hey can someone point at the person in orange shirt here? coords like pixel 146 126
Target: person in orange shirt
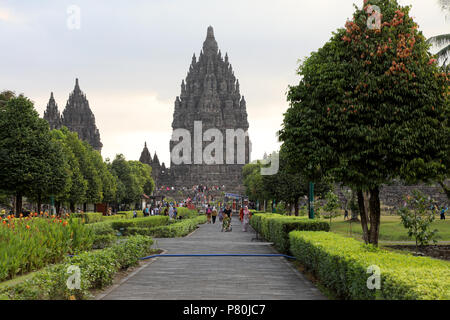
pixel 241 214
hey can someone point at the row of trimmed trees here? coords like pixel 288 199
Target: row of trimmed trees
pixel 285 185
pixel 40 163
pixel 372 105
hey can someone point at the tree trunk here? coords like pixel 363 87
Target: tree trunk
pixel 39 202
pixel 84 207
pixel 72 207
pixel 296 207
pixel 363 214
pixel 57 206
pixel 375 213
pixel 354 213
pixel 18 203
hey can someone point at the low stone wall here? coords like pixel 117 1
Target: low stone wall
pixel 392 196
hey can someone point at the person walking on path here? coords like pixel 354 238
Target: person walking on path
pixel 208 213
pixel 241 214
pixel 171 212
pixel 221 214
pixel 246 219
pixel 443 213
pixel 214 215
pixel 226 225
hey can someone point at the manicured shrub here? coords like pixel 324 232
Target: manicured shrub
pixel 88 217
pixel 103 234
pixel 178 229
pixel 147 222
pixel 130 214
pixel 114 217
pixel 186 213
pixel 341 264
pixel 126 214
pixel 276 228
pixel 97 271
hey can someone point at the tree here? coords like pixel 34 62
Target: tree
pixel 143 172
pixel 108 182
pixel 442 40
pixel 130 190
pixel 5 96
pixel 76 186
pixel 417 217
pixel 83 153
pixel 331 206
pixel 371 106
pixel 253 182
pixel 54 175
pixel 28 156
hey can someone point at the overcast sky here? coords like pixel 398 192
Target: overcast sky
pixel 130 57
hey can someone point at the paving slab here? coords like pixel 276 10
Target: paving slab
pixel 216 278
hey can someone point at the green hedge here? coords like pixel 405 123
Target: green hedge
pixel 97 271
pixel 173 230
pixel 276 228
pixel 114 217
pixel 129 214
pixel 341 264
pixel 186 212
pixel 103 233
pixel 179 229
pixel 147 222
pixel 88 217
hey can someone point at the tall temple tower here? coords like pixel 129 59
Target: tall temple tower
pixel 52 115
pixel 211 94
pixel 78 117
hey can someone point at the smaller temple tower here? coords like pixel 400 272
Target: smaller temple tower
pixel 52 115
pixel 78 117
pixel 146 157
pixel 160 174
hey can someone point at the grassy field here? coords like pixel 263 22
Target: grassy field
pixel 391 229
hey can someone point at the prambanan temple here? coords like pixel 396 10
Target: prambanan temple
pixel 210 94
pixel 77 117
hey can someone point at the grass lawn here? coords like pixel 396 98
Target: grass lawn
pixel 391 229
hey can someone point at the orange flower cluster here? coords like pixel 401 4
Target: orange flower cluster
pixel 398 67
pixel 398 18
pixel 405 49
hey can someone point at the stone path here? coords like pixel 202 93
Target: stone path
pixel 216 278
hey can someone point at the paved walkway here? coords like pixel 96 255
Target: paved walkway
pixel 216 278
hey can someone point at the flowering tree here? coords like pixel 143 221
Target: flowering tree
pixel 372 105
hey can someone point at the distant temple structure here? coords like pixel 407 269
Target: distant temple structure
pixel 210 95
pixel 77 117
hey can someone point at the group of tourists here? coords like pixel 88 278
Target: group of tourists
pixel 167 210
pixel 225 214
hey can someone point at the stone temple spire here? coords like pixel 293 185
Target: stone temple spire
pixel 78 117
pixel 210 46
pixel 145 155
pixel 210 94
pixel 52 115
